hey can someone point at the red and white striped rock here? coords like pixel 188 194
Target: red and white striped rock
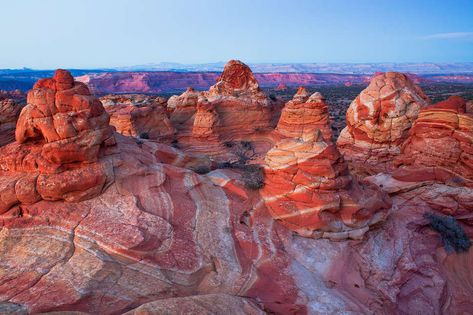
pixel 440 144
pixel 241 105
pixel 183 108
pixel 309 189
pixel 305 114
pixel 378 122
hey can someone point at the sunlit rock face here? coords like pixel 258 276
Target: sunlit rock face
pixel 56 156
pixel 378 122
pixel 440 144
pixel 241 105
pixel 308 186
pixel 305 114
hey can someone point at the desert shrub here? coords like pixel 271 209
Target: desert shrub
pixel 253 176
pixel 273 97
pixel 228 144
pixel 246 145
pixel 201 169
pixel 452 234
pixel 175 144
pixel 225 165
pixel 144 135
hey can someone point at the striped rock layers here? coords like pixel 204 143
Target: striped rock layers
pixel 440 144
pixel 378 122
pixel 309 189
pixel 304 114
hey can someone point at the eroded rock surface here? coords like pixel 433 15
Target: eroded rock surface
pixel 308 187
pixel 378 122
pixel 139 116
pixel 9 112
pixel 153 236
pixel 440 144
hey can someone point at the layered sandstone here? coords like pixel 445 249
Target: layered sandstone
pixel 183 108
pixel 9 112
pixel 59 134
pixel 241 105
pixel 161 238
pixel 139 115
pixel 308 187
pixel 378 122
pixel 305 114
pixel 440 144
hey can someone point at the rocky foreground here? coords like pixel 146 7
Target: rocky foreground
pixel 229 202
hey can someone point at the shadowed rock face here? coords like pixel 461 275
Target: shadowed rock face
pixel 9 112
pixel 378 122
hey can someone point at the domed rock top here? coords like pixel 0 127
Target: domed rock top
pixel 237 80
pixel 378 121
pixel 72 123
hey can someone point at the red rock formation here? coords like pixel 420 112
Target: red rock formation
pixel 59 134
pixel 9 112
pixel 157 237
pixel 205 121
pixel 183 108
pixel 138 115
pixel 241 106
pixel 308 187
pixel 378 121
pixel 305 115
pixel 440 144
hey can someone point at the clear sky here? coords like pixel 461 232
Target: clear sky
pixel 107 33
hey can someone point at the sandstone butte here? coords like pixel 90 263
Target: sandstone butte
pixel 308 187
pixel 232 109
pixel 100 223
pixel 378 122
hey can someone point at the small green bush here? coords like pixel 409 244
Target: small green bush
pixel 144 135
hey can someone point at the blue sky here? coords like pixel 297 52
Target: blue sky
pixel 107 33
